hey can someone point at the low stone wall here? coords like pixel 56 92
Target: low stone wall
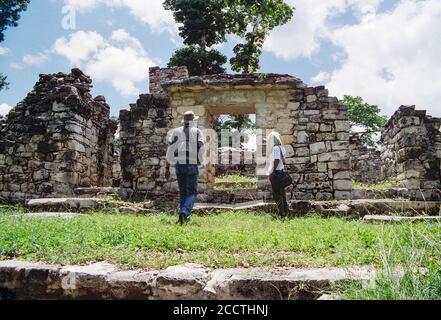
pixel 102 281
pixel 57 139
pixel 365 162
pixel 411 152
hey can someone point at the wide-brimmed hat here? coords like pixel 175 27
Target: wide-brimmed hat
pixel 189 116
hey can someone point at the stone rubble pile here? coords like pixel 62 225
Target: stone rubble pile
pixel 56 139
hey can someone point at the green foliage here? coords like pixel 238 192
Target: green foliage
pixel 3 83
pixel 235 182
pixel 10 14
pixel 198 61
pixel 382 185
pixel 203 24
pixel 259 16
pixel 366 116
pixel 229 239
pixel 233 122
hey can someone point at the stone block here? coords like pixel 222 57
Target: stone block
pixel 317 148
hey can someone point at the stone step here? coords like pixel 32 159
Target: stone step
pixel 398 219
pixel 252 205
pixel 57 204
pixel 102 281
pixel 96 192
pixel 361 208
pixel 84 204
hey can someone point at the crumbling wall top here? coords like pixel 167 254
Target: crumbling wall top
pixel 227 80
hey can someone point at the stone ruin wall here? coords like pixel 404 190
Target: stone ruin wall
pixel 365 162
pixel 314 127
pixel 143 137
pixel 411 152
pixel 55 140
pixel 246 167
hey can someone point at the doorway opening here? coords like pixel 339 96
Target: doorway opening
pixel 234 168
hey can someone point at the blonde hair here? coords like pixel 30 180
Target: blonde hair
pixel 274 139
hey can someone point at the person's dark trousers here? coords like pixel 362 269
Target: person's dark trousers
pixel 187 175
pixel 279 195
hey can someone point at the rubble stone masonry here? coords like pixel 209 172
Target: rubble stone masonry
pixel 314 126
pixel 411 152
pixel 365 162
pixel 55 140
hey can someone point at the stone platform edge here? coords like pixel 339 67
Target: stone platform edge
pixel 103 281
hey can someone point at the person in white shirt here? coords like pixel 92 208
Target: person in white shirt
pixel 184 152
pixel 276 168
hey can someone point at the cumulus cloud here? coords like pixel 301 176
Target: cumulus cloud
pixel 120 60
pixel 392 58
pixel 302 36
pixel 4 109
pixel 150 12
pixel 4 50
pixel 31 60
pixel 79 46
pixel 321 77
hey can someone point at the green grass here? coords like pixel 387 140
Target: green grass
pixel 383 185
pixel 419 276
pixel 229 239
pixel 236 178
pixel 235 182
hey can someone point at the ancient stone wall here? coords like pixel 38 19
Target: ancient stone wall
pixel 56 139
pixel 159 76
pixel 411 151
pixel 246 166
pixel 365 162
pixel 143 136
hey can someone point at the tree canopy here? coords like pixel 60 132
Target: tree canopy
pixel 366 116
pixel 205 23
pixel 10 14
pixel 198 61
pixel 252 20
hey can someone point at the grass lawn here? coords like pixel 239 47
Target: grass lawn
pixel 383 185
pixel 235 182
pixel 229 239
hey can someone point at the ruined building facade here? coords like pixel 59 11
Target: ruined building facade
pixel 59 138
pixel 314 126
pixel 55 140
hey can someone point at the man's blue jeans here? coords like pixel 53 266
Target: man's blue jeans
pixel 188 175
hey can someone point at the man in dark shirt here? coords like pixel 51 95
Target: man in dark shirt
pixel 185 145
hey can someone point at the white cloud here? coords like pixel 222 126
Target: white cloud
pixel 4 50
pixel 150 12
pixel 302 36
pixel 321 78
pixel 31 60
pixel 393 58
pixel 35 59
pixel 79 46
pixel 120 60
pixel 4 109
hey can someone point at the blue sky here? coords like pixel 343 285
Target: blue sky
pixel 387 51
